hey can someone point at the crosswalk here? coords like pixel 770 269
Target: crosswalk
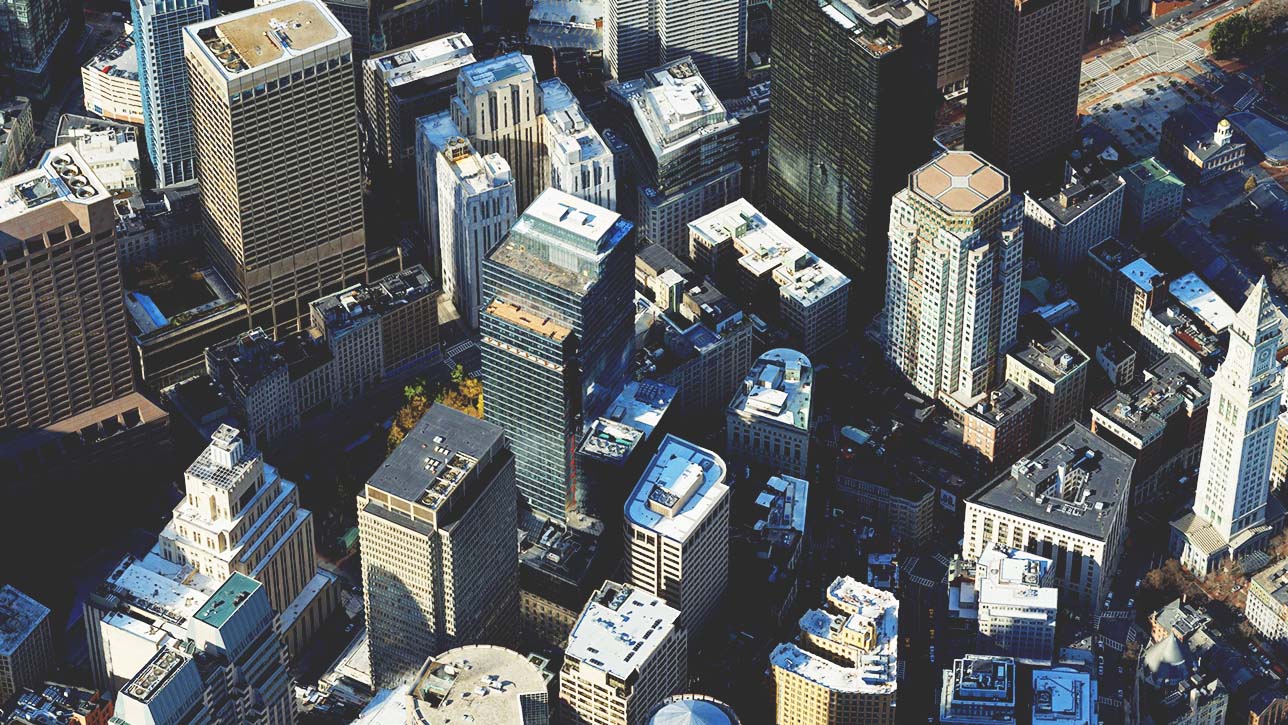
pixel 1249 98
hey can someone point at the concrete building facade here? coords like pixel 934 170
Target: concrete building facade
pixel 163 84
pixel 499 108
pixel 768 422
pixel 26 642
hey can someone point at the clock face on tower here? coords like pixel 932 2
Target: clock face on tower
pixel 1263 357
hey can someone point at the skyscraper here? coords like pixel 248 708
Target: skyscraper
pixel 557 335
pixel 1232 505
pixel 163 84
pixel 1026 59
pixel 580 162
pixel 853 112
pixel 639 34
pixel 275 119
pixel 31 31
pixel 439 563
pixel 953 277
pixel 498 107
pixel 956 19
pixel 677 530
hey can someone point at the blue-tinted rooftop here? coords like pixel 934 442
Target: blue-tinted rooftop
pixel 227 599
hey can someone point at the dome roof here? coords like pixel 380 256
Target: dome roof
pixel 691 712
pixel 1167 660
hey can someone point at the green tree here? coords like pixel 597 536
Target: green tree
pixel 1239 34
pixel 1250 184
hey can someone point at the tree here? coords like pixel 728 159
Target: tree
pixel 1238 34
pixel 463 393
pixel 1250 184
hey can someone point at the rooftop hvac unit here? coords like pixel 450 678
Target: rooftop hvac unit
pixel 69 170
pixel 85 192
pixel 62 160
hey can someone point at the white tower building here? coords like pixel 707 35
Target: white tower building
pixel 1231 513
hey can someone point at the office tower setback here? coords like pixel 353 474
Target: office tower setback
pixel 852 116
pixel 844 667
pixel 31 32
pixel 1233 511
pixel 1067 500
pixel 1026 60
pixel 230 668
pixel 275 119
pixel 498 108
pixel 768 420
pixel 163 84
pixel 953 277
pixel 686 151
pixel 626 653
pixel 677 530
pixel 640 34
pixel 482 684
pixel 26 642
pixel 556 336
pixel 402 85
pixel 782 280
pixel 580 162
pixel 436 525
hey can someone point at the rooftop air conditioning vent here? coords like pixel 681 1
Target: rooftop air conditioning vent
pixel 85 192
pixel 69 171
pixel 62 160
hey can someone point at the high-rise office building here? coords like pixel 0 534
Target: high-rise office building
pixel 1061 227
pixel 163 84
pixel 853 113
pixel 1233 511
pixel 402 85
pixel 230 668
pixel 26 642
pixel 498 108
pixel 845 664
pixel 557 336
pixel 769 419
pixel 436 525
pixel 640 34
pixel 1026 60
pixel 580 162
pixel 677 530
pixel 956 18
pixel 476 207
pixel 953 277
pixel 626 653
pixel 686 151
pixel 31 32
pixel 275 120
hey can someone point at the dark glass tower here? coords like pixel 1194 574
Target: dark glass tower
pixel 556 329
pixel 853 112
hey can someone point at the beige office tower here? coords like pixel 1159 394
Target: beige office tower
pixel 626 653
pixel 274 113
pixel 677 530
pixel 844 667
pixel 440 566
pixel 499 107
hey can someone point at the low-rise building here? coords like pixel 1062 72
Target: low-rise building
pixel 1087 209
pixel 26 642
pixel 111 149
pixel 777 276
pixel 1177 686
pixel 482 684
pixel 1066 501
pixel 1152 199
pixel 844 668
pixel 1117 360
pixel 580 162
pixel 1049 365
pixel 1179 619
pixel 615 448
pixel 58 704
pixel 1199 145
pixel 626 653
pixel 769 419
pixel 157 225
pixel 770 542
pixel 978 690
pixel 111 82
pixel 999 428
pixel 1008 597
pixel 1064 696
pixel 1267 604
pixel 1159 423
pixel 900 501
pixel 559 569
pixel 17 135
pixel 677 530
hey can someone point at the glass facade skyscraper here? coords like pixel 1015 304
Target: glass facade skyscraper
pixel 556 330
pixel 163 83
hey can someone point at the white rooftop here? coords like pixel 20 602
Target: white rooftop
pixel 570 214
pixel 62 175
pixel 1140 272
pixel 675 107
pixel 1013 578
pixel 767 249
pixel 1063 696
pixel 785 497
pixel 248 41
pixel 169 591
pixel 1191 291
pixel 571 132
pixel 778 387
pixel 432 58
pixel 118 59
pixel 877 669
pixel 679 489
pixel 19 617
pixel 475 683
pixel 619 629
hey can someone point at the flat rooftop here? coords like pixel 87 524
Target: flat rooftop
pixel 1046 350
pixel 118 59
pixel 1006 401
pixel 1014 578
pixel 484 73
pixel 1191 291
pixel 437 58
pixel 983 680
pixel 225 461
pixel 1063 696
pixel 960 182
pixel 242 42
pixel 679 489
pixel 675 107
pixel 62 176
pixel 859 17
pixel 227 599
pixel 1092 185
pixel 1075 481
pixel 620 629
pixel 1170 386
pixel 1150 170
pixel 778 387
pixel 1273 580
pixel 436 456
pixel 631 418
pixel 351 306
pixel 528 320
pixel 476 683
pixel 573 136
pixel 857 606
pixel 1141 273
pixel 157 675
pixel 19 617
pixel 561 240
pixel 169 591
pixel 768 250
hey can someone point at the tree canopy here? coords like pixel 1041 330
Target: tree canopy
pixel 464 393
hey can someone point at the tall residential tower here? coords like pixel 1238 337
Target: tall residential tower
pixel 163 84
